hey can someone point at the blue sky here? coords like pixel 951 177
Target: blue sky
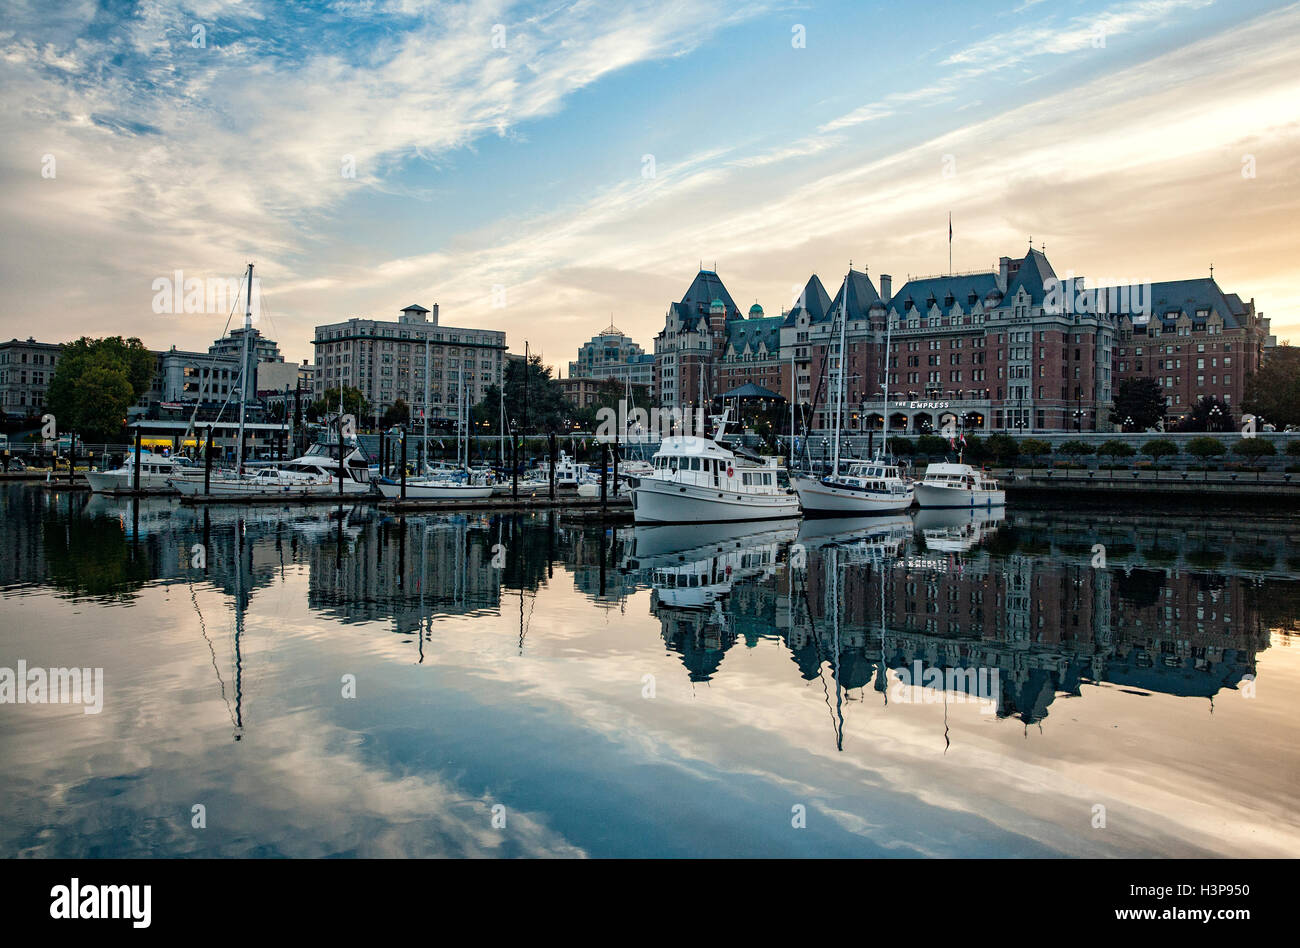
pixel 499 153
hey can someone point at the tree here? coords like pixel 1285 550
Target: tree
pixel 546 409
pixel 1205 448
pixel 398 413
pixel 1002 448
pixel 1210 413
pixel 1115 448
pixel 931 445
pixel 1139 404
pixel 1034 448
pixel 902 447
pixel 1075 449
pixel 1273 391
pixel 1158 448
pixel 1255 448
pixel 96 382
pixel 976 450
pixel 328 404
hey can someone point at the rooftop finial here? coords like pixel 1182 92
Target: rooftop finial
pixel 1211 271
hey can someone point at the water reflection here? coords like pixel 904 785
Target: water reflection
pixel 522 626
pixel 1174 609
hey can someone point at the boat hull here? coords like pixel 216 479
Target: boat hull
pixel 655 501
pixel 819 498
pixel 251 488
pixel 417 491
pixel 111 482
pixel 931 496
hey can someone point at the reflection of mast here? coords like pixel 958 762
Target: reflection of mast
pixel 835 640
pixel 239 628
pixel 817 646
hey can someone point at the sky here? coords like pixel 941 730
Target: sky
pixel 549 168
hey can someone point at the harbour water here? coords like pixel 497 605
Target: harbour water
pixel 288 681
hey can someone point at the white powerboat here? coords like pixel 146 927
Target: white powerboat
pixel 700 480
pixel 156 472
pixel 316 472
pixel 958 485
pixel 864 487
pixel 454 485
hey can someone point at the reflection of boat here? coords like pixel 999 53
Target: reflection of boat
pixel 699 480
pixel 957 530
pixel 692 567
pixel 156 471
pixel 651 545
pixel 958 485
pixel 878 536
pixel 316 472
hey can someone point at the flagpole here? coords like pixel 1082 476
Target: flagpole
pixel 950 243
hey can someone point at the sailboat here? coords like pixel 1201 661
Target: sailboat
pixel 444 485
pixel 861 487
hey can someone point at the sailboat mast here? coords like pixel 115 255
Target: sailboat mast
pixel 243 372
pixel 428 371
pixel 884 419
pixel 790 459
pixel 839 397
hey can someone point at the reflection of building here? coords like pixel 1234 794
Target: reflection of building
pixel 408 571
pixel 1047 624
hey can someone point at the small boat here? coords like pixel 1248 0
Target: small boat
pixel 156 473
pixel 315 472
pixel 568 472
pixel 700 480
pixel 437 487
pixel 958 485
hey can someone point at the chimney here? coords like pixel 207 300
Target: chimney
pixel 886 287
pixel 435 314
pixel 1004 272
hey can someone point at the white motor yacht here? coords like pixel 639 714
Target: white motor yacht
pixel 156 472
pixel 958 485
pixel 700 480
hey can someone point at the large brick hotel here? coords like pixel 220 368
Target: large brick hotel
pixel 1012 349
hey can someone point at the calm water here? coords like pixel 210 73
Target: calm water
pixel 660 692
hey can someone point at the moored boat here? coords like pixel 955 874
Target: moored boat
pixel 700 480
pixel 958 485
